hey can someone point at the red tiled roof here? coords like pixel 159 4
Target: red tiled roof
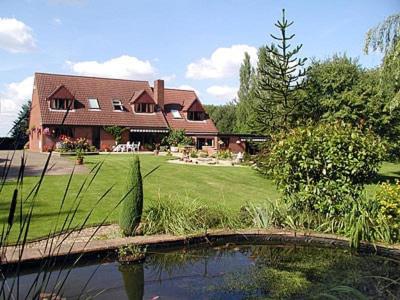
pixel 183 97
pixel 104 90
pixel 206 126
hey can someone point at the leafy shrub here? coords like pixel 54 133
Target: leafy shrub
pixel 224 154
pixel 388 198
pixel 68 144
pixel 177 137
pixel 116 132
pixel 193 154
pixel 132 206
pixel 322 168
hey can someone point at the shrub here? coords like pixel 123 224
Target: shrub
pixel 132 205
pixel 116 132
pixel 177 137
pixel 203 154
pixel 322 168
pixel 388 198
pixel 193 154
pixel 68 144
pixel 224 154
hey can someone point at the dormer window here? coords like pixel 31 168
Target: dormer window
pixel 117 105
pixel 61 104
pixel 93 103
pixel 144 107
pixel 196 115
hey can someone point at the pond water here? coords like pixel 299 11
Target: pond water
pixel 237 272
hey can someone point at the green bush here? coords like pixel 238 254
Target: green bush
pixel 132 206
pixel 224 154
pixel 388 198
pixel 177 137
pixel 322 168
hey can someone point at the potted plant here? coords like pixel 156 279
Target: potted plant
pixel 79 156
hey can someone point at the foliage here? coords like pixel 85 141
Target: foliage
pixel 194 154
pixel 67 143
pixel 385 36
pixel 224 154
pixel 388 198
pixel 322 168
pixel 182 216
pixel 115 131
pixel 131 211
pixel 79 153
pixel 279 79
pixel 19 131
pixel 223 116
pixel 339 89
pixel 177 137
pixel 132 251
pixel 244 113
pixel 328 88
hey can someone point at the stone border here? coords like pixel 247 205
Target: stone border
pixel 101 248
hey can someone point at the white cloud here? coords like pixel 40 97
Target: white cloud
pixel 15 36
pixel 223 92
pixel 125 66
pixel 57 21
pixel 224 62
pixel 169 78
pixel 12 97
pixel 188 87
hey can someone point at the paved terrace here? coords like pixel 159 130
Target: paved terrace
pixel 105 241
pixel 35 162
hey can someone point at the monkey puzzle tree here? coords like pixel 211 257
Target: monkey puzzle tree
pixel 278 80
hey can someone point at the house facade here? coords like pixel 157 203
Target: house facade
pixel 80 107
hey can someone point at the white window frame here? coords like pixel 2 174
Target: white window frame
pixel 117 103
pixel 176 114
pixel 91 106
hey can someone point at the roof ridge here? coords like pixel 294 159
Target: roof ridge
pixel 176 89
pixel 93 77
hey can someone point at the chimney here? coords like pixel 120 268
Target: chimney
pixel 159 92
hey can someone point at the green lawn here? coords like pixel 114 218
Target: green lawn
pixel 227 186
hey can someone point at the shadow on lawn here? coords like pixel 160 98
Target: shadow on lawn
pixel 380 178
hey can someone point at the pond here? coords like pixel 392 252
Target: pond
pixel 236 272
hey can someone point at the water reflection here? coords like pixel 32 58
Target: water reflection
pixel 133 277
pixel 234 272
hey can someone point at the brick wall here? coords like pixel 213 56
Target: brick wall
pixel 35 136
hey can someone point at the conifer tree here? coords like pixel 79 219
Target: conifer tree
pixel 279 77
pixel 132 206
pixel 245 105
pixel 20 125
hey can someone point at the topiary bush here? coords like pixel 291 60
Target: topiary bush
pixel 322 168
pixel 132 206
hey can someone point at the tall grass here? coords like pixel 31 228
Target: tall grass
pixel 180 216
pixel 359 224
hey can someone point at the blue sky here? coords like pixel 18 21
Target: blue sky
pixel 191 44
